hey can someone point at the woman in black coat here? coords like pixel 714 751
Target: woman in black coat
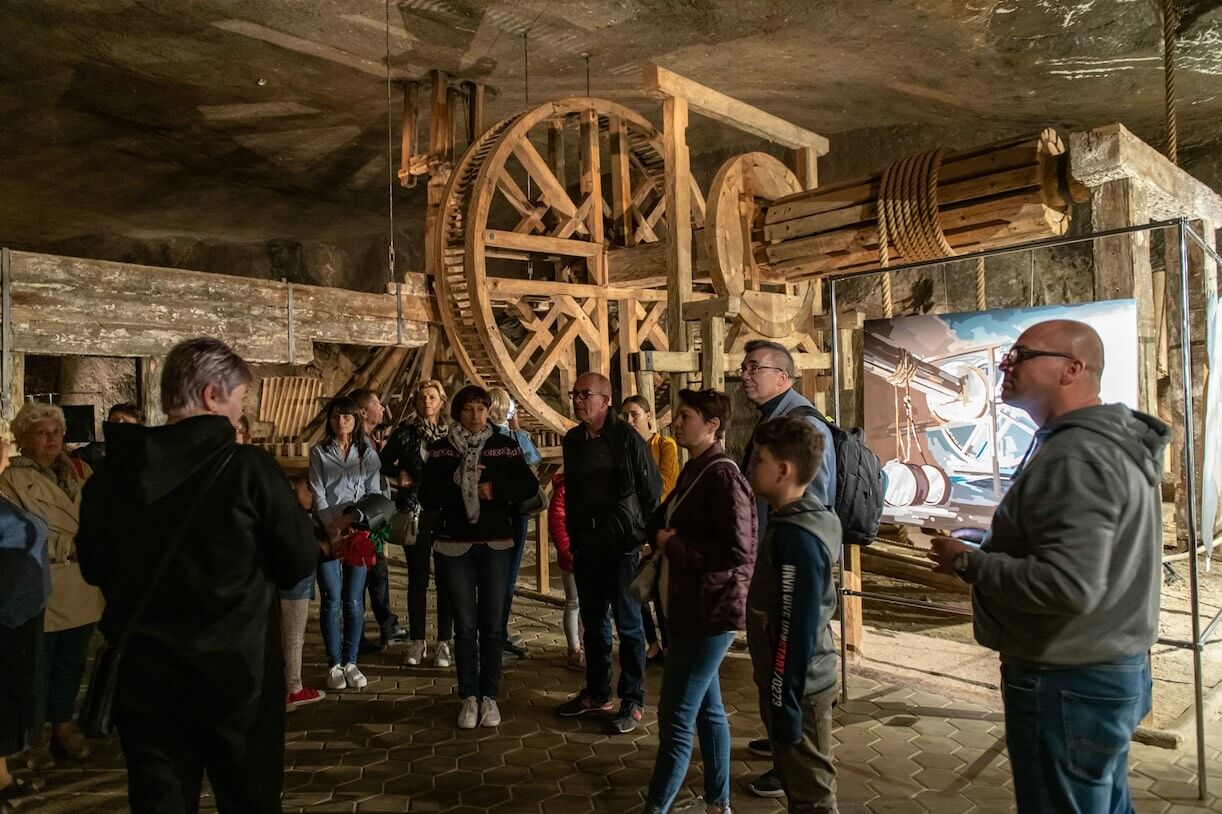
pixel 476 476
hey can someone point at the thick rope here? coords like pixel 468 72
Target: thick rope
pixel 980 304
pixel 908 215
pixel 1170 21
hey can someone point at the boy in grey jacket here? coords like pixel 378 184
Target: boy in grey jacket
pixel 789 610
pixel 1066 584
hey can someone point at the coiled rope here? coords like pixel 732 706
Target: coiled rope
pixel 908 217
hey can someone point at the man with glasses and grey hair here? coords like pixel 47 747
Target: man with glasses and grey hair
pixel 1066 583
pixel 611 488
pixel 768 374
pixel 201 687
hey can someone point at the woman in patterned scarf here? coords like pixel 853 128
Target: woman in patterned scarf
pixel 475 477
pixel 46 483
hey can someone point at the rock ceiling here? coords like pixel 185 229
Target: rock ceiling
pixel 254 119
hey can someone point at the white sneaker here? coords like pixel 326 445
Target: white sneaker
pixel 489 715
pixel 416 651
pixel 354 677
pixel 442 657
pixel 467 715
pixel 335 678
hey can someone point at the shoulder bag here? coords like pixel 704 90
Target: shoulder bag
pixel 98 710
pixel 650 579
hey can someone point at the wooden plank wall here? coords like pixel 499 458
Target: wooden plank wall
pixel 67 305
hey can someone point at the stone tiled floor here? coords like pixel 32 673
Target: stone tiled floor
pixel 394 747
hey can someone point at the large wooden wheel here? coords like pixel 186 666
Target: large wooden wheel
pixel 522 268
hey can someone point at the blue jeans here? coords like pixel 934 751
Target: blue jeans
pixel 475 585
pixel 691 703
pixel 602 579
pixel 520 525
pixel 343 596
pixel 1068 734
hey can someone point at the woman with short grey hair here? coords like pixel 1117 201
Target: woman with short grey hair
pixel 47 483
pixel 200 374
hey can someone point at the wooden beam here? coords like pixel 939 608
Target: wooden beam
pixel 717 105
pixel 407 128
pixel 541 244
pixel 621 181
pixel 73 306
pixel 592 191
pixel 1122 271
pixel 725 307
pixel 475 110
pixel 1112 153
pixel 150 389
pixel 806 167
pixel 438 120
pixel 713 352
pixel 678 194
pixel 668 361
pixel 454 103
pixel 508 287
pixel 852 604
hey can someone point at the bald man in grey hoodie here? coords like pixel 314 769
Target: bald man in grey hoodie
pixel 1066 583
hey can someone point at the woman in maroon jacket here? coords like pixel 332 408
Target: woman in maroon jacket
pixel 705 534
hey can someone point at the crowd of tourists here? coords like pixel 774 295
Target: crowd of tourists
pixel 198 559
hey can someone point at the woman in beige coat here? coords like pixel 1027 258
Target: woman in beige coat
pixel 46 482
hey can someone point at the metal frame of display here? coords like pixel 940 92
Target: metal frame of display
pixel 1197 644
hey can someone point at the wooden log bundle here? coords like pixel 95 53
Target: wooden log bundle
pixel 999 194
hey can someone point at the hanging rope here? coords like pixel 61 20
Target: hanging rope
pixel 1170 22
pixel 980 303
pixel 908 215
pixel 390 192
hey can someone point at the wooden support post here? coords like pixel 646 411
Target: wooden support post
pixel 713 353
pixel 150 389
pixel 438 119
pixel 645 389
pixel 629 344
pixel 1122 271
pixel 596 266
pixel 852 604
pixel 454 103
pixel 407 138
pixel 621 181
pixel 806 167
pixel 543 577
pixel 678 192
pixel 475 110
pixel 555 150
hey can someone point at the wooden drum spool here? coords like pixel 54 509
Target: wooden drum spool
pixel 521 266
pixel 770 306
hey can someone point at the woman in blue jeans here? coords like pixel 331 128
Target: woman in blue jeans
pixel 704 533
pixel 476 476
pixel 344 467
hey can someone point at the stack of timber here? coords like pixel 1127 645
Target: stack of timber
pixel 1000 194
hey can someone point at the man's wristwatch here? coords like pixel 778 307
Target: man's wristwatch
pixel 960 564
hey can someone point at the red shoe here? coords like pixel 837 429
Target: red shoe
pixel 304 696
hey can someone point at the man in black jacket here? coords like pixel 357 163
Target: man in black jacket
pixel 201 686
pixel 611 488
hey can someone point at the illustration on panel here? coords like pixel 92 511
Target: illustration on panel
pixel 933 409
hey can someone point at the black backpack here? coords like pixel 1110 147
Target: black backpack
pixel 859 481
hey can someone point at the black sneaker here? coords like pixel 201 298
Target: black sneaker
pixel 390 633
pixel 767 784
pixel 368 647
pixel 760 746
pixel 515 650
pixel 583 704
pixel 627 718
